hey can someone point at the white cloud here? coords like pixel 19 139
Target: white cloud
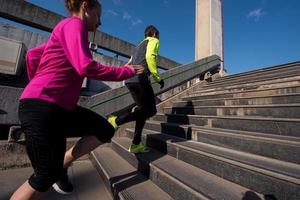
pixel 133 21
pixel 166 2
pixel 118 2
pixel 112 12
pixel 136 22
pixel 255 14
pixel 126 16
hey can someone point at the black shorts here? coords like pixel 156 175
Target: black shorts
pixel 46 127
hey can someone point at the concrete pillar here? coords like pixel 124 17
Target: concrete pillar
pixel 209 30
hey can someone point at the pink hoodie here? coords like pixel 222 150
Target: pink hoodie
pixel 56 69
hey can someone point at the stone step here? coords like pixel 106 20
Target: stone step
pixel 245 93
pixel 277 126
pixel 266 76
pixel 277 83
pixel 123 180
pixel 266 70
pixel 193 128
pixel 276 110
pixel 287 149
pixel 282 148
pixel 254 100
pixel 254 82
pixel 180 179
pixel 249 170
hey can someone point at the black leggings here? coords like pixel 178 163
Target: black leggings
pixel 46 127
pixel 144 98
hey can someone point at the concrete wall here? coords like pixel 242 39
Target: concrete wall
pixel 9 102
pixel 29 38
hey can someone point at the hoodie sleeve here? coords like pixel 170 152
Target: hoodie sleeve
pixel 151 58
pixel 33 59
pixel 74 41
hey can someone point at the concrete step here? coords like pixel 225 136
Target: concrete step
pixel 179 179
pixel 123 180
pixel 277 83
pixel 255 81
pixel 281 148
pixel 249 170
pixel 277 126
pixel 84 177
pixel 287 149
pixel 266 76
pixel 191 129
pixel 245 93
pixel 273 110
pixel 265 70
pixel 255 100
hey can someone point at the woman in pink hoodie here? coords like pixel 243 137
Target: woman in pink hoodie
pixel 48 110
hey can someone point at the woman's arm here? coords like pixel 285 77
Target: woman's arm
pixel 33 59
pixel 74 40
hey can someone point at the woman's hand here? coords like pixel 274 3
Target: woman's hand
pixel 137 69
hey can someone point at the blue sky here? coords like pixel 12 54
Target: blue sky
pixel 257 33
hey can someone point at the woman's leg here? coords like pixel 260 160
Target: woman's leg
pixel 93 129
pixel 26 192
pixel 45 147
pixel 83 146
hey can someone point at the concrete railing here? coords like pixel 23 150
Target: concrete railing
pixel 34 16
pixel 117 99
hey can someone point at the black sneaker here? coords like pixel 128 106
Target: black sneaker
pixel 63 185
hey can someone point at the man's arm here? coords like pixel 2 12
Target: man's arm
pixel 151 58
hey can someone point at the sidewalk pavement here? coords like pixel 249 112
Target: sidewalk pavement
pixel 88 185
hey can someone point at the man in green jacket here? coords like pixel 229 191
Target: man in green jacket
pixel 145 54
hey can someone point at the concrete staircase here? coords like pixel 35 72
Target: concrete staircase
pixel 236 138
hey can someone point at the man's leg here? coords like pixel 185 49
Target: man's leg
pixel 136 93
pixel 147 107
pixel 139 125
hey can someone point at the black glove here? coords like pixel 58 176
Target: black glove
pixel 161 83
